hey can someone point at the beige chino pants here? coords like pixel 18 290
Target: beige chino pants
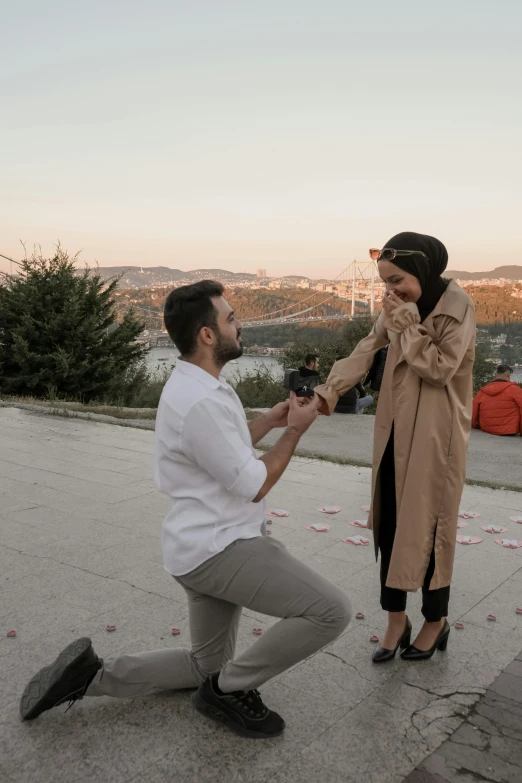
pixel 259 574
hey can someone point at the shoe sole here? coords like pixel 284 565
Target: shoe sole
pixel 220 717
pixel 39 686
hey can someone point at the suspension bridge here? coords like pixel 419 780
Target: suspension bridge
pixel 359 284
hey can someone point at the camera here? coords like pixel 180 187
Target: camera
pixel 303 387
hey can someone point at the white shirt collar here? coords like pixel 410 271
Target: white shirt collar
pixel 187 368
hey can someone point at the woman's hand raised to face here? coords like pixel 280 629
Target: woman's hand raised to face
pixel 390 302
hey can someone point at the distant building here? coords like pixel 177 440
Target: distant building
pixel 261 274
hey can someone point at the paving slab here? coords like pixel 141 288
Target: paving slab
pixel 80 551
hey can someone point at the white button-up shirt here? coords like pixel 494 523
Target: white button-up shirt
pixel 206 463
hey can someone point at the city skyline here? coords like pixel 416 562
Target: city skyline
pixel 288 137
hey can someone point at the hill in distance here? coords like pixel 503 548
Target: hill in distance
pixel 507 272
pixel 146 276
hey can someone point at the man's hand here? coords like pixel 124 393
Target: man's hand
pixel 390 302
pixel 302 412
pixel 278 415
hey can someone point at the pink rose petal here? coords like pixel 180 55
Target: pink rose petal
pixel 459 626
pixel 494 532
pixel 318 527
pixel 277 512
pixel 366 508
pixel 374 638
pixel 175 631
pixel 517 545
pixel 516 519
pixel 111 627
pixel 462 524
pixel 358 523
pixel 472 540
pixel 360 542
pixel 329 509
pixel 359 616
pixel 269 521
pixel 491 617
pixel 257 631
pixel 269 532
pixel 11 634
pixel 469 514
pixel 518 610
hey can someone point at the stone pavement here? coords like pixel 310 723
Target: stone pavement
pixel 488 744
pixel 80 523
pixel 490 458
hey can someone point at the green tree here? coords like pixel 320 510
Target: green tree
pixel 59 335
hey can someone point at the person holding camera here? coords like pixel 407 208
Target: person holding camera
pixel 422 428
pixel 213 543
pixel 311 367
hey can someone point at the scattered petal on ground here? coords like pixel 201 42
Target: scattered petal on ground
pixel 318 527
pixel 358 522
pixel 516 519
pixel 277 512
pixel 494 529
pixel 175 631
pixel 374 638
pixel 357 540
pixel 359 616
pixel 11 634
pixel 329 509
pixel 257 631
pixel 491 617
pixel 518 610
pixel 459 626
pixel 469 514
pixel 111 627
pixel 469 539
pixel 508 543
pixel 269 521
pixel 366 508
pixel 462 524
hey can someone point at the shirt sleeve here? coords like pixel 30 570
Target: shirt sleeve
pixel 212 439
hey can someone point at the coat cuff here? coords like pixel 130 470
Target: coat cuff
pixel 402 317
pixel 329 398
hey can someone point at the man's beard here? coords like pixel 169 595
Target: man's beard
pixel 226 350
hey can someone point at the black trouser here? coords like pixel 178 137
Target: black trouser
pixel 434 602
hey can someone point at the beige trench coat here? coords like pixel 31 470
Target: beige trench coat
pixel 426 393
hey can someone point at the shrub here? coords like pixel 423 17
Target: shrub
pixel 59 335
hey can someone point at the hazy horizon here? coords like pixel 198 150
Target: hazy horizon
pixel 289 136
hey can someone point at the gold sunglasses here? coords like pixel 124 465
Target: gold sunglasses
pixel 388 254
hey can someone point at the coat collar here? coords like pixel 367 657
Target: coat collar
pixel 453 302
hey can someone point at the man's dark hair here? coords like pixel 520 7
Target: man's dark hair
pixel 502 369
pixel 187 310
pixel 310 357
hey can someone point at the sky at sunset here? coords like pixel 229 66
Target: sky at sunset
pixel 288 134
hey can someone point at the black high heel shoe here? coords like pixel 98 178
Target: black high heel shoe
pixel 441 642
pixel 381 654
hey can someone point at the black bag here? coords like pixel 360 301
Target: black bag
pixel 374 377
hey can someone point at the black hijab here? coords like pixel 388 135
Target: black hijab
pixel 429 273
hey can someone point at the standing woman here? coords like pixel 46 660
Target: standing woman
pixel 422 429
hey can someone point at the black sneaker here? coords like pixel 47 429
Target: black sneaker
pixel 66 679
pixel 242 711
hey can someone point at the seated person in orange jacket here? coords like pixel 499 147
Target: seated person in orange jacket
pixel 497 407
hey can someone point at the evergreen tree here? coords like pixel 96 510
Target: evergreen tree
pixel 59 335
